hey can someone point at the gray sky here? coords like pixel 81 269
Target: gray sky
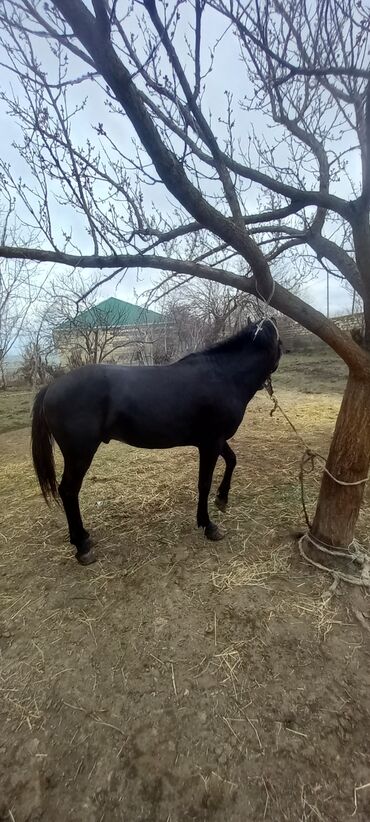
pixel 227 75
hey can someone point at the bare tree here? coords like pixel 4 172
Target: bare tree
pixel 20 286
pixel 38 360
pixel 248 200
pixel 15 303
pixel 200 313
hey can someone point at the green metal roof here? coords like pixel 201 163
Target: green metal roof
pixel 113 313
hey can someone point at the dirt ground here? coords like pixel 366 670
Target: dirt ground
pixel 178 680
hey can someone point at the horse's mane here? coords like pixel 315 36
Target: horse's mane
pixel 238 342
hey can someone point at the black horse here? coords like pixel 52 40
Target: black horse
pixel 199 400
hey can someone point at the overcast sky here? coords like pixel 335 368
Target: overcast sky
pixel 227 74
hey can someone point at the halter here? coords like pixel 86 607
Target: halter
pixel 266 305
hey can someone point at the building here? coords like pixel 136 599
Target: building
pixel 112 331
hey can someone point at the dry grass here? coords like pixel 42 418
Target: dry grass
pixel 258 572
pixel 148 499
pixel 15 408
pixel 57 621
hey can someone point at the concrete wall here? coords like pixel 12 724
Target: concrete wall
pixel 297 338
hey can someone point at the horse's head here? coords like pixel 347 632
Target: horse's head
pixel 265 336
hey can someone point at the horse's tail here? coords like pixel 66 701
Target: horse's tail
pixel 42 449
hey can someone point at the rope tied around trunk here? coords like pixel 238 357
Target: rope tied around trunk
pixel 355 554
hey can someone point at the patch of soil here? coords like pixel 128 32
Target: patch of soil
pixel 135 690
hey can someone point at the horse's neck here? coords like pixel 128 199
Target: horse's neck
pixel 247 373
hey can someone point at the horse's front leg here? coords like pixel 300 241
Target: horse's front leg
pixel 223 491
pixel 207 461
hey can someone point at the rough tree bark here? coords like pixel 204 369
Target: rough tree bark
pixel 349 455
pixel 349 460
pixel 3 376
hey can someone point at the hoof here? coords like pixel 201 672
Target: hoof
pixel 213 532
pixel 85 555
pixel 87 558
pixel 221 504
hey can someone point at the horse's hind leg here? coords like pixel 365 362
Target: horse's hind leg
pixel 223 491
pixel 207 461
pixel 75 467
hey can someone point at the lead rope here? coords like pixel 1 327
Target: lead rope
pixel 357 555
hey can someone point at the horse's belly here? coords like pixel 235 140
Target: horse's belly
pixel 151 441
pixel 170 426
pixel 143 435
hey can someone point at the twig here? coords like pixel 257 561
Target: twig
pixel 93 715
pixel 173 680
pixel 74 707
pixel 298 733
pixel 267 797
pixel 357 789
pixel 255 731
pixel 107 724
pixel 231 729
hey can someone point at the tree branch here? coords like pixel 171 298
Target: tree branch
pixel 282 300
pixel 168 167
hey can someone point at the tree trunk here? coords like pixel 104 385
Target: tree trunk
pixel 4 384
pixel 349 459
